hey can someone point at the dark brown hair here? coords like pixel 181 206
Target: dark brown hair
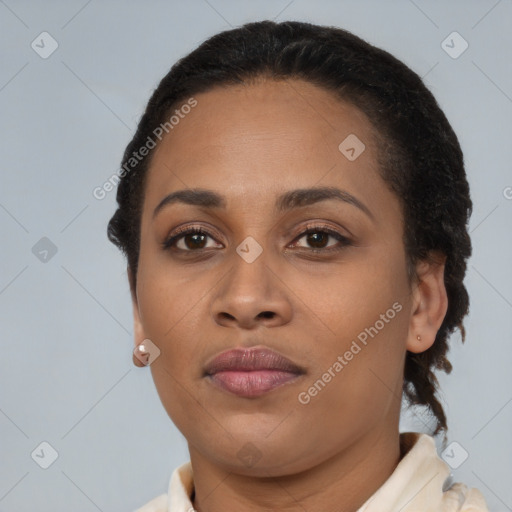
pixel 419 155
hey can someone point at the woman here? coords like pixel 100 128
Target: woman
pixel 293 209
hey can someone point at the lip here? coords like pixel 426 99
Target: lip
pixel 251 372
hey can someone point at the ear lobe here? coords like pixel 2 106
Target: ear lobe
pixel 430 304
pixel 138 329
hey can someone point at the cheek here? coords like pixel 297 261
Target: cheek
pixel 346 299
pixel 365 315
pixel 168 308
pixel 165 297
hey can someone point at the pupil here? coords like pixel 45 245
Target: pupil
pixel 315 237
pixel 194 245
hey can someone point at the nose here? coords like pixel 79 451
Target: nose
pixel 251 294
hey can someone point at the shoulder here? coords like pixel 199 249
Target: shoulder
pixel 178 496
pixel 420 482
pixel 460 498
pixel 158 504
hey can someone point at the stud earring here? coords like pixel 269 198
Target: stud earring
pixel 145 353
pixel 141 354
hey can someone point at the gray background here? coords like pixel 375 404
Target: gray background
pixel 66 372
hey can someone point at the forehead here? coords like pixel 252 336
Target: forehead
pixel 262 139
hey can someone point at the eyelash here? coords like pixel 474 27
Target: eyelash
pixel 194 230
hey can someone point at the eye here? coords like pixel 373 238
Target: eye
pixel 318 236
pixel 193 238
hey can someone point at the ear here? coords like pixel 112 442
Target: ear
pixel 138 329
pixel 430 303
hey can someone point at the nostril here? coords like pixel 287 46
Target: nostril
pixel 266 314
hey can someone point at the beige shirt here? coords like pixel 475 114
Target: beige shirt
pixel 416 485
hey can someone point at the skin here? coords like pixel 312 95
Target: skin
pixel 252 143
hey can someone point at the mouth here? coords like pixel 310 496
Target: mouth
pixel 251 372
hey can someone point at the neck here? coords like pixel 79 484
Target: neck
pixel 343 482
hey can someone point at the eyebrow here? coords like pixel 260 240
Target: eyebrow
pixel 289 200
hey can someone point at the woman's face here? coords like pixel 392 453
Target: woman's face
pixel 254 279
